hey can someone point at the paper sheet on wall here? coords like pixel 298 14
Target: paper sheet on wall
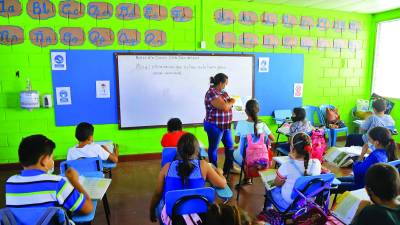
pixel 95 187
pixel 103 89
pixel 298 90
pixel 63 95
pixel 263 64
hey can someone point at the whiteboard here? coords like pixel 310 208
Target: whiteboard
pixel 154 87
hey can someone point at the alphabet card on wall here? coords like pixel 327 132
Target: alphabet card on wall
pixel 127 11
pixel 71 9
pixel 40 9
pixel 10 8
pixel 340 44
pixel 289 42
pixel 155 12
pixel 72 36
pixel 306 22
pixel 269 19
pixel 43 36
pixel 324 43
pixel 101 36
pixel 339 25
pixel 248 17
pixel 225 39
pixel 323 24
pixel 354 26
pixel 155 38
pixel 181 14
pixel 307 42
pixel 100 10
pixel 224 16
pixel 289 20
pixel 11 35
pixel 248 40
pixel 355 45
pixel 270 41
pixel 128 37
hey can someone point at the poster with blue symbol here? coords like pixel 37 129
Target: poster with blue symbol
pixel 58 61
pixel 263 64
pixel 63 95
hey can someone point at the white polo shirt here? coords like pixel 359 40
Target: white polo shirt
pixel 87 151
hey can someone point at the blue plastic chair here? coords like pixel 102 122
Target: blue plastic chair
pixel 333 133
pixel 395 164
pixel 306 187
pixel 33 215
pixel 392 129
pixel 181 202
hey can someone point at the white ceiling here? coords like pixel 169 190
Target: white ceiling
pixel 359 6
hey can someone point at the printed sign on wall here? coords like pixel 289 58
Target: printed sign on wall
pixel 127 11
pixel 40 9
pixel 269 19
pixel 339 25
pixel 298 90
pixel 10 8
pixel 43 36
pixel 63 95
pixel 100 10
pixel 306 22
pixel 129 37
pixel 248 40
pixel 72 36
pixel 155 12
pixel 354 26
pixel 248 17
pixel 289 20
pixel 324 43
pixel 289 42
pixel 71 9
pixel 270 41
pixel 181 14
pixel 263 64
pixel 155 38
pixel 101 36
pixel 11 35
pixel 307 42
pixel 224 16
pixel 323 24
pixel 225 39
pixel 58 61
pixel 340 43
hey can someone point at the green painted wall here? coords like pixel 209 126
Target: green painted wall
pixel 330 76
pixel 376 18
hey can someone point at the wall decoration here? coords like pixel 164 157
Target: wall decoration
pixel 155 38
pixel 71 9
pixel 306 22
pixel 289 42
pixel 129 37
pixel 43 36
pixel 263 64
pixel 324 43
pixel 58 60
pixel 270 41
pixel 323 24
pixel 354 26
pixel 269 19
pixel 289 20
pixel 224 16
pixel 72 36
pixel 307 42
pixel 355 45
pixel 100 10
pixel 9 8
pixel 248 17
pixel 181 14
pixel 340 43
pixel 11 35
pixel 248 40
pixel 155 12
pixel 40 9
pixel 127 11
pixel 101 36
pixel 339 25
pixel 225 39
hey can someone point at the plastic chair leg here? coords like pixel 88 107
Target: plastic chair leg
pixel 107 210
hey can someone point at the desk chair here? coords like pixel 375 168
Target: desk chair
pixel 89 167
pixel 33 215
pixel 395 164
pixel 306 187
pixel 280 117
pixel 188 201
pixel 333 132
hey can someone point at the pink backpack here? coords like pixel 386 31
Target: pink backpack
pixel 257 157
pixel 318 144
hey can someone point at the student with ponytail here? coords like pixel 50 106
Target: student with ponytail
pixel 300 164
pixel 385 151
pixel 251 126
pixel 187 172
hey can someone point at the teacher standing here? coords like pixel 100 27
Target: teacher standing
pixel 217 122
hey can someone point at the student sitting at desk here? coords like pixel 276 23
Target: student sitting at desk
pixel 300 124
pixel 37 187
pixel 382 183
pixel 385 151
pixel 378 119
pixel 252 126
pixel 171 138
pixel 86 148
pixel 299 165
pixel 186 173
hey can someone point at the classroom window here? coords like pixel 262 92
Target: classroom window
pixel 386 61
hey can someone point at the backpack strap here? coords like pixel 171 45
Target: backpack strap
pixel 48 215
pixel 7 218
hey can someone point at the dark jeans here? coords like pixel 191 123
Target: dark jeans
pixel 215 136
pixel 354 140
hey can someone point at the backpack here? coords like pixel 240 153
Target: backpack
pixel 257 156
pixel 318 144
pixel 48 216
pixel 333 119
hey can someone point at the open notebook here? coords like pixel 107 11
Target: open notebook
pixel 348 203
pixel 95 187
pixel 342 156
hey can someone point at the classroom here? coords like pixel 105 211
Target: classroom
pixel 199 112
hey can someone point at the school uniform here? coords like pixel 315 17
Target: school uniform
pixel 171 139
pixel 377 214
pixel 87 151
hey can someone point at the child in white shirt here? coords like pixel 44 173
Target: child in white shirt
pixel 86 148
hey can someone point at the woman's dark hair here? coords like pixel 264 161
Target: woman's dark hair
pixel 384 137
pixel 383 180
pixel 33 147
pixel 188 147
pixel 301 143
pixel 252 109
pixel 379 105
pixel 218 78
pixel 174 124
pixel 300 114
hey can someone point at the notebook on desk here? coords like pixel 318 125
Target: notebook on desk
pixel 95 187
pixel 108 144
pixel 348 204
